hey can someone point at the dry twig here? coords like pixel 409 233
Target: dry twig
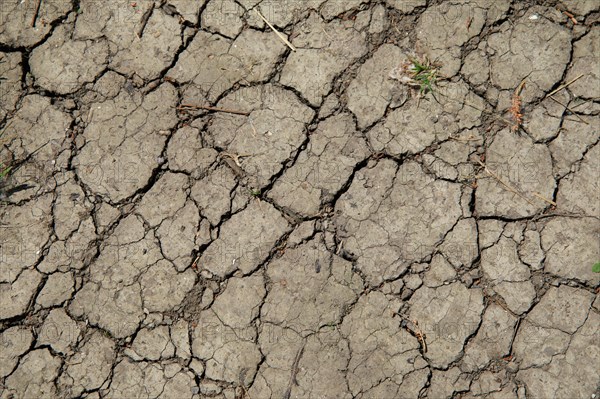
pixel 195 263
pixel 235 157
pixel 544 198
pixel 239 172
pixel 553 92
pixel 569 109
pixel 216 109
pixel 571 17
pixel 295 367
pixel 35 12
pixel 466 139
pixel 506 185
pixel 144 20
pixel 412 326
pixel 280 35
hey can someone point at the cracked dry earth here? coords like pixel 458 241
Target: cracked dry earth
pixel 338 237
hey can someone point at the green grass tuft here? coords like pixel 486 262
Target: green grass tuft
pixel 424 74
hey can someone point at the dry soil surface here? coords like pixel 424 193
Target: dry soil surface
pixel 339 236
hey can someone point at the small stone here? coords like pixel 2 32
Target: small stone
pixel 206 274
pixel 406 293
pixel 413 281
pixel 418 267
pixel 209 388
pixel 197 366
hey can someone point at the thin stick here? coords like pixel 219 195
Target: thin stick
pixel 296 364
pixel 412 326
pixel 571 17
pixel 544 199
pixel 144 20
pixel 235 157
pixel 570 110
pixel 585 102
pixel 195 262
pixel 508 187
pixel 465 139
pixel 339 248
pixel 395 27
pixel 35 12
pixel 246 394
pixel 282 37
pixel 216 109
pixel 520 88
pixel 254 132
pixel 420 335
pixel 294 371
pixel 553 92
pixel 239 172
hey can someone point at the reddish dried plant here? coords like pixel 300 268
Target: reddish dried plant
pixel 515 109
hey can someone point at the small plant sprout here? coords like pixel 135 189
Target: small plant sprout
pixel 4 171
pixel 4 192
pixel 421 74
pixel 596 268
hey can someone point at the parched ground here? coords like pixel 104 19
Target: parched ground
pixel 323 231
